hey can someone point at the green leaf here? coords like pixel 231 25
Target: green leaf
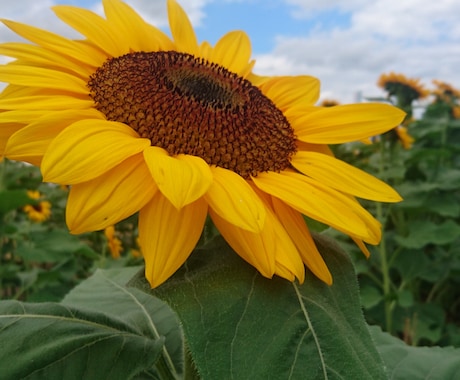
pixel 370 296
pixel 53 341
pixel 428 321
pixel 422 233
pixel 241 325
pixel 405 362
pixel 13 199
pixel 106 292
pixel 449 179
pixel 444 204
pixel 413 264
pixel 49 246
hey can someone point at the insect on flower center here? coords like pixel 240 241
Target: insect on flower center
pixel 189 105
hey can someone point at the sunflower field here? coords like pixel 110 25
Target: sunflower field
pixel 349 289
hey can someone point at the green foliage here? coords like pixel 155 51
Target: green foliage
pixel 411 284
pixel 407 362
pixel 106 292
pixel 41 261
pixel 52 341
pixel 241 325
pixel 235 323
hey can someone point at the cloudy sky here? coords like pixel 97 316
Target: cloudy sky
pixel 347 44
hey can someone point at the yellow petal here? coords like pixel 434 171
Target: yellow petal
pixel 362 247
pixel 182 179
pixel 49 103
pixel 87 149
pixel 288 262
pixel 292 93
pixel 295 225
pixel 44 57
pixel 31 142
pixel 344 123
pixel 181 29
pixel 45 78
pixel 231 197
pixel 93 27
pixel 167 235
pixel 206 50
pixel 320 148
pixel 84 53
pixel 287 256
pixel 142 36
pixel 19 116
pixel 258 80
pixel 6 131
pixel 258 249
pixel 317 201
pixel 343 177
pixel 111 197
pixel 233 51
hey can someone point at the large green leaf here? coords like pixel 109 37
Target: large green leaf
pixel 239 325
pixel 414 363
pixel 53 341
pixel 106 292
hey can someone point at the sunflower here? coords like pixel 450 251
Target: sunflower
pixel 445 91
pixel 409 89
pixel 113 242
pixel 404 137
pixel 136 121
pixel 40 211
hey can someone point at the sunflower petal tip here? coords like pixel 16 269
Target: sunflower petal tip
pixel 328 280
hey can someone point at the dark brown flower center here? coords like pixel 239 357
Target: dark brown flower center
pixel 188 105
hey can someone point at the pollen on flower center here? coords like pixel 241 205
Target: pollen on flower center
pixel 187 105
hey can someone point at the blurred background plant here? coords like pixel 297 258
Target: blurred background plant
pixel 40 259
pixel 410 285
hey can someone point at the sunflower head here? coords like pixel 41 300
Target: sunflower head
pixel 405 89
pixel 176 130
pixel 40 210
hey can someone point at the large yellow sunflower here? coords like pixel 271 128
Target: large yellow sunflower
pixel 136 121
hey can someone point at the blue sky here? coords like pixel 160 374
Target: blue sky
pixel 346 44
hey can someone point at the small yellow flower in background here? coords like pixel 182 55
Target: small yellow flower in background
pixel 329 103
pixel 136 252
pixel 406 139
pixel 408 89
pixel 456 112
pixel 113 242
pixel 178 130
pixel 449 95
pixel 37 212
pixel 445 92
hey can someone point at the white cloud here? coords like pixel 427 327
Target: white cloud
pixel 307 8
pixel 419 38
pixel 420 41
